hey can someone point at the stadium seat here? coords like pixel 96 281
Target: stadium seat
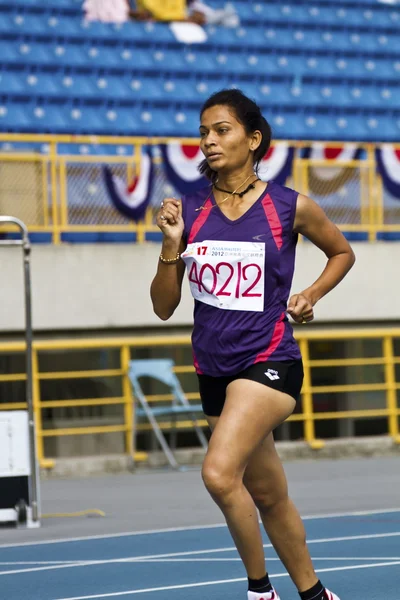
pixel 51 119
pixel 62 55
pixel 11 83
pixel 24 23
pixel 13 117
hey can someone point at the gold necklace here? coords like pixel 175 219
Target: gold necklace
pixel 226 198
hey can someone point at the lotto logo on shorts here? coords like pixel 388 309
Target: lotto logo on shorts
pixel 272 375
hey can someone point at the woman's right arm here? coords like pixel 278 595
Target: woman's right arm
pixel 166 287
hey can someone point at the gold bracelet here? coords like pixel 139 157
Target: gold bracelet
pixel 170 261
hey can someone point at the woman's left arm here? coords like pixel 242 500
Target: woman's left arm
pixel 312 222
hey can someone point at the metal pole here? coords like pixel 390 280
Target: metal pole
pixel 26 247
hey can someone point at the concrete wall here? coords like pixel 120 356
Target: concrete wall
pixel 106 286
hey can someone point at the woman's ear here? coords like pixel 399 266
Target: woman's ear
pixel 255 140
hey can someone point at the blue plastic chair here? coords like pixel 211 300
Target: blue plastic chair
pixel 98 56
pixel 13 117
pixel 116 120
pixel 46 119
pixel 109 87
pixel 11 83
pixel 83 120
pixel 73 86
pixel 162 370
pixel 62 26
pixel 144 88
pixel 68 55
pixel 96 30
pixel 9 54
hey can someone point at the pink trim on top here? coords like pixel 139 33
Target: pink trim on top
pixel 273 220
pixel 277 336
pixel 199 222
pixel 196 364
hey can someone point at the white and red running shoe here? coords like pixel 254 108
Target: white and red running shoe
pixel 267 596
pixel 331 596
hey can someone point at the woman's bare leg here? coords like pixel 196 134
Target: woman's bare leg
pixel 265 480
pixel 250 413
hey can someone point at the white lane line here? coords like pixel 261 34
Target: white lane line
pixel 146 557
pixel 224 581
pixel 269 559
pixel 339 515
pixel 195 560
pixel 40 562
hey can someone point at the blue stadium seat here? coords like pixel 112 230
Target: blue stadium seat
pixel 96 31
pixel 47 118
pixel 222 36
pixel 118 121
pixel 144 88
pixel 287 126
pixel 82 119
pixel 328 127
pixel 196 62
pixel 28 53
pixel 241 63
pixel 41 84
pixel 100 56
pixel 68 55
pixel 8 52
pixel 157 60
pixel 11 83
pixel 316 65
pixel 285 94
pixel 112 87
pixel 6 23
pixel 153 121
pixel 135 59
pixel 61 26
pixel 27 23
pixel 185 120
pixel 13 117
pixel 75 86
pixel 17 3
pixel 389 96
pixel 317 15
pixel 179 90
pixel 288 64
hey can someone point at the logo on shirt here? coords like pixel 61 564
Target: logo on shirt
pixel 258 237
pixel 272 374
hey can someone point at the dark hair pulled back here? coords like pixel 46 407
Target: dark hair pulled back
pixel 248 113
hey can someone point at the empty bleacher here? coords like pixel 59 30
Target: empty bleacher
pixel 320 70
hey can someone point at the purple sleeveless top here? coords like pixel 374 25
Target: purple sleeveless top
pixel 241 298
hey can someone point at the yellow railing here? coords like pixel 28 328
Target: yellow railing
pixel 57 193
pixel 309 412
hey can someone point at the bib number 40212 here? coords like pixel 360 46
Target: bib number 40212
pixel 225 279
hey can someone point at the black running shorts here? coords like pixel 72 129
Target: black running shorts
pixel 284 376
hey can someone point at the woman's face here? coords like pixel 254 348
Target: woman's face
pixel 224 141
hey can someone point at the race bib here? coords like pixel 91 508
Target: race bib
pixel 228 275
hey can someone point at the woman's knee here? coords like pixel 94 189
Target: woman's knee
pixel 219 480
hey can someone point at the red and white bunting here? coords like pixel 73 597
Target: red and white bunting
pixel 185 159
pixel 133 199
pixel 388 164
pixel 181 163
pixel 276 164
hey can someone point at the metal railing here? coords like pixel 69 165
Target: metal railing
pixel 310 411
pixel 56 193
